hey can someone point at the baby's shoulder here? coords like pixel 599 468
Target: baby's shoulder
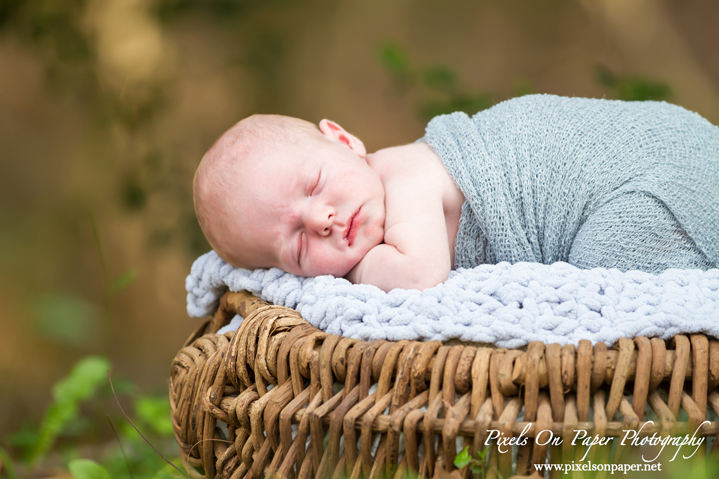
pixel 416 173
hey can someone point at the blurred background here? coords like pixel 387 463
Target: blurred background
pixel 106 107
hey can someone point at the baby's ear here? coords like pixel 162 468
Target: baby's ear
pixel 339 135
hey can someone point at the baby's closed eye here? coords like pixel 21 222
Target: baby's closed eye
pixel 314 185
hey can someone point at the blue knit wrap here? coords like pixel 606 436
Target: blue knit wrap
pixel 596 183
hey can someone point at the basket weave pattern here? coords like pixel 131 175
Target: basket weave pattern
pixel 288 393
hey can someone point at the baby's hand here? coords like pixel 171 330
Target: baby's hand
pixel 388 268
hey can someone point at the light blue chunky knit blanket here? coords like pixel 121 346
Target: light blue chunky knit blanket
pixel 508 305
pixel 596 183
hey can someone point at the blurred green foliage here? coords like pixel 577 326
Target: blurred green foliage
pixel 123 281
pixel 396 62
pixel 80 385
pixel 53 30
pixel 85 384
pixel 522 86
pixel 57 33
pixel 87 469
pixel 6 466
pixel 260 43
pixel 436 89
pixel 632 87
pixel 476 463
pixel 155 412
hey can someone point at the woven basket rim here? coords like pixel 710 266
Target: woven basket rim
pixel 277 367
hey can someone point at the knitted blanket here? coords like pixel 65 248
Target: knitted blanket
pixel 508 305
pixel 596 183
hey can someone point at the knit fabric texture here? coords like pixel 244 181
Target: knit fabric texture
pixel 595 183
pixel 506 304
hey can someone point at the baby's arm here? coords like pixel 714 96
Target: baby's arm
pixel 389 267
pixel 415 253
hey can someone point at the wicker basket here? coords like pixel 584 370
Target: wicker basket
pixel 288 393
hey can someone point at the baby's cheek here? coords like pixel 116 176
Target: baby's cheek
pixel 330 262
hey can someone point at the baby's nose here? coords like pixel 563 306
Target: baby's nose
pixel 322 220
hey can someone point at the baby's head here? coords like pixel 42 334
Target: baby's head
pixel 275 191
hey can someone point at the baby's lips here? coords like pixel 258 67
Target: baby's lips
pixel 352 228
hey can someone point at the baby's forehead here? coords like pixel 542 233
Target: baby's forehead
pixel 281 163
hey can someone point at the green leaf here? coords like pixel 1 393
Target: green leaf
pixel 56 416
pixel 463 458
pixel 482 454
pixel 155 411
pixel 394 58
pixel 476 468
pixel 24 438
pixel 84 379
pixel 169 472
pixel 396 62
pixel 122 386
pixel 440 77
pixel 81 384
pixel 6 462
pixel 87 469
pixel 123 281
pixel 605 76
pixel 640 89
pixel 632 87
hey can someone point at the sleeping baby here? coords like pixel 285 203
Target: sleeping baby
pixel 541 178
